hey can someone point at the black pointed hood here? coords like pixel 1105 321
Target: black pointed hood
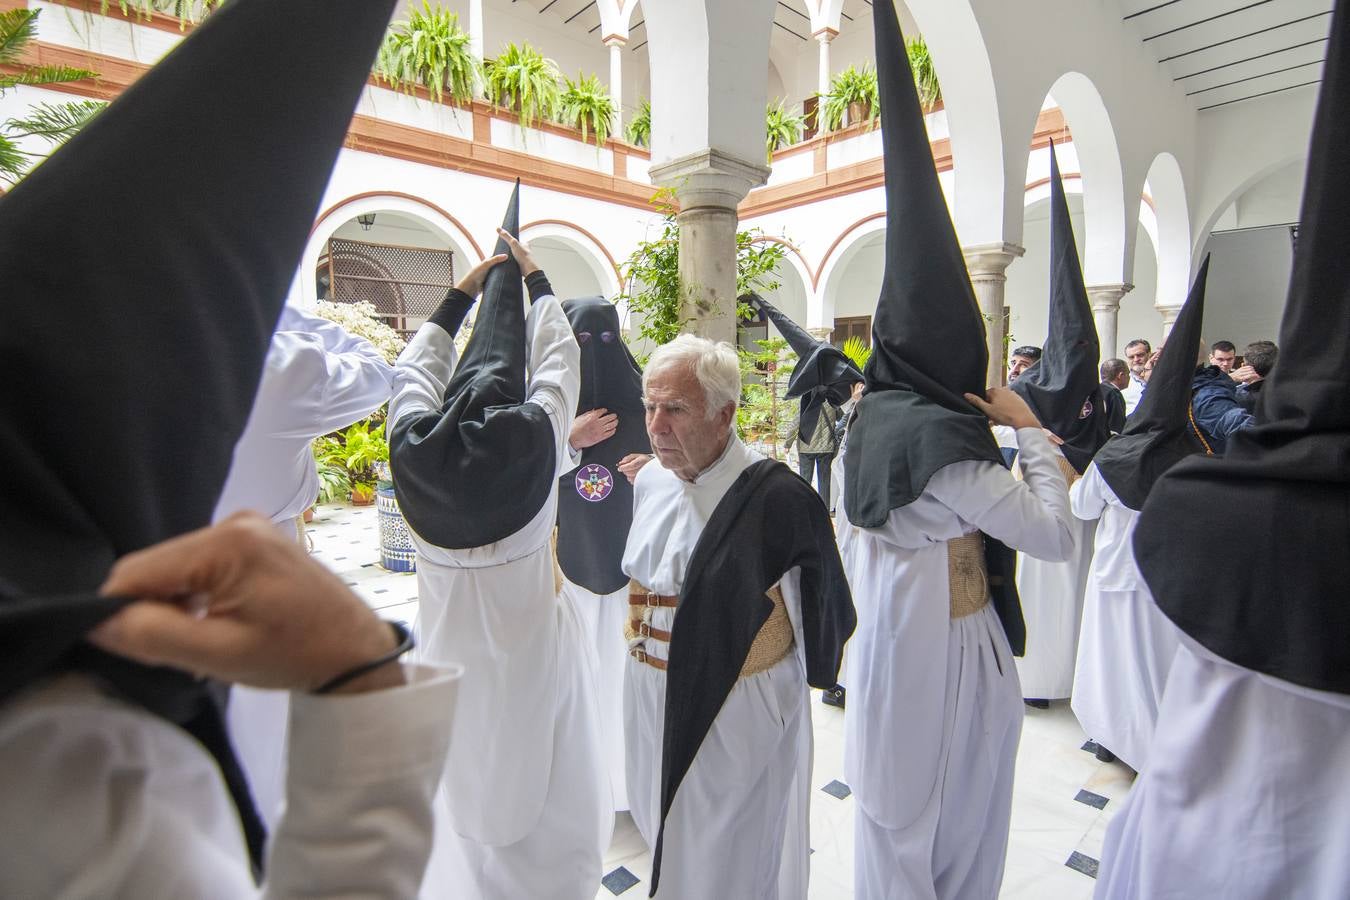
pixel 1160 432
pixel 1282 609
pixel 1063 388
pixel 822 372
pixel 928 339
pixel 595 500
pixel 481 467
pixel 145 265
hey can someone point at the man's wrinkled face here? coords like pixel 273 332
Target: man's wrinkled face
pixel 683 438
pixel 1017 365
pixel 1223 359
pixel 1136 355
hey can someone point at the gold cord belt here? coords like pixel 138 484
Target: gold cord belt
pixel 967 577
pixel 771 644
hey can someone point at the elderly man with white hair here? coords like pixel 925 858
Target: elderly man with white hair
pixel 738 600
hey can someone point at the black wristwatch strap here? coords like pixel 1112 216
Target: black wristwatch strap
pixel 405 643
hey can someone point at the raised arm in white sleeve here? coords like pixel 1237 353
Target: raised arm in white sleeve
pixel 422 372
pixel 1086 497
pixel 554 373
pixel 1031 515
pixel 104 799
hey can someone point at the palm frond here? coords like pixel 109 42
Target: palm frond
pixel 856 350
pixel 17 28
pixel 53 122
pixel 13 161
pixel 47 75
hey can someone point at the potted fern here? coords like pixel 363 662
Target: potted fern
pixel 639 131
pixel 525 81
pixel 925 73
pixel 432 50
pixel 585 104
pixel 853 92
pixel 782 127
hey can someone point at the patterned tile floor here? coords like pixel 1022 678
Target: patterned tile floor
pixel 1062 801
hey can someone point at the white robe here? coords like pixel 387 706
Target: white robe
pixel 1127 644
pixel 1052 606
pixel 1246 794
pixel 523 809
pixel 602 619
pixel 739 824
pixel 103 799
pixel 934 709
pixel 317 378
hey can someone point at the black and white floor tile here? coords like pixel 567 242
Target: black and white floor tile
pixel 1062 801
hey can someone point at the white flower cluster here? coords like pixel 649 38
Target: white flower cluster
pixel 361 319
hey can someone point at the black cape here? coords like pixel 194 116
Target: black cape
pixel 928 339
pixel 822 374
pixel 772 512
pixel 1282 610
pixel 595 501
pixel 132 365
pixel 1160 432
pixel 1062 388
pixel 481 467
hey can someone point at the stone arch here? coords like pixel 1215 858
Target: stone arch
pixel 1108 240
pixel 796 294
pixel 840 265
pixel 1166 190
pixel 556 236
pixel 1240 187
pixel 304 288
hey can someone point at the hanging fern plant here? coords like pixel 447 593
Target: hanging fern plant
pixel 782 127
pixel 431 50
pixel 925 73
pixel 585 104
pixel 639 131
pixel 525 81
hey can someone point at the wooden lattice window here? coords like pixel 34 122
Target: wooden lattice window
pixel 852 326
pixel 404 284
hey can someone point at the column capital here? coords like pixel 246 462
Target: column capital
pixel 1169 316
pixel 825 35
pixel 990 261
pixel 1107 297
pixel 820 334
pixel 709 178
pixel 614 40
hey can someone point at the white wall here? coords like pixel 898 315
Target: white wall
pixel 1248 283
pixel 1274 200
pixel 567 272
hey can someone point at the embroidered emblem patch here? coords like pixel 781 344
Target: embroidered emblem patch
pixel 594 483
pixel 1087 409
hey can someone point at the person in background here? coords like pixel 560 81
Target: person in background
pixel 1115 378
pixel 1215 406
pixel 1257 361
pixel 1137 353
pixel 1222 355
pixel 1021 359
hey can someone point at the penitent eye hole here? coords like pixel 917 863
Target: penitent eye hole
pixel 608 337
pixel 583 337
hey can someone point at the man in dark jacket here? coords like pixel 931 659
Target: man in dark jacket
pixel 1257 361
pixel 1115 378
pixel 1215 406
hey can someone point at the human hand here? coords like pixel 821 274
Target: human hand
pixel 472 284
pixel 1004 406
pixel 238 602
pixel 1244 375
pixel 631 464
pixel 520 252
pixel 590 428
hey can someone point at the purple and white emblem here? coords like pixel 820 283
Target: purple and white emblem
pixel 594 482
pixel 1086 410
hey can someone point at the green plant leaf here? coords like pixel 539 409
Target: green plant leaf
pixel 432 50
pixel 53 122
pixel 639 132
pixel 585 104
pixel 856 350
pixel 782 127
pixel 522 79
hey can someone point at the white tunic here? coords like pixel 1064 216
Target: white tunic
pixel 933 713
pixel 317 378
pixel 1127 644
pixel 1052 606
pixel 739 823
pixel 602 619
pixel 103 799
pixel 523 810
pixel 1245 796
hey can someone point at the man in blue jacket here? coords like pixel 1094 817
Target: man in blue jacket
pixel 1215 406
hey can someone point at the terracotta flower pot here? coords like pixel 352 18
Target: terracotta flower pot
pixel 363 496
pixel 857 112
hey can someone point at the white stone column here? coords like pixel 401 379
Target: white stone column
pixel 824 36
pixel 708 186
pixel 987 264
pixel 476 31
pixel 615 43
pixel 1105 300
pixel 1169 318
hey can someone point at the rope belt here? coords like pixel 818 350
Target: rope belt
pixel 967 577
pixel 1067 470
pixel 772 643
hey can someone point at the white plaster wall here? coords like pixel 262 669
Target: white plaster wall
pixel 1248 283
pixel 552 146
pixel 406 109
pixel 567 271
pixel 1274 200
pixel 110 35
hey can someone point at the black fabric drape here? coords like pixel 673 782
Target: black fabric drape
pixel 132 363
pixel 595 501
pixel 768 522
pixel 928 339
pixel 478 469
pixel 1282 608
